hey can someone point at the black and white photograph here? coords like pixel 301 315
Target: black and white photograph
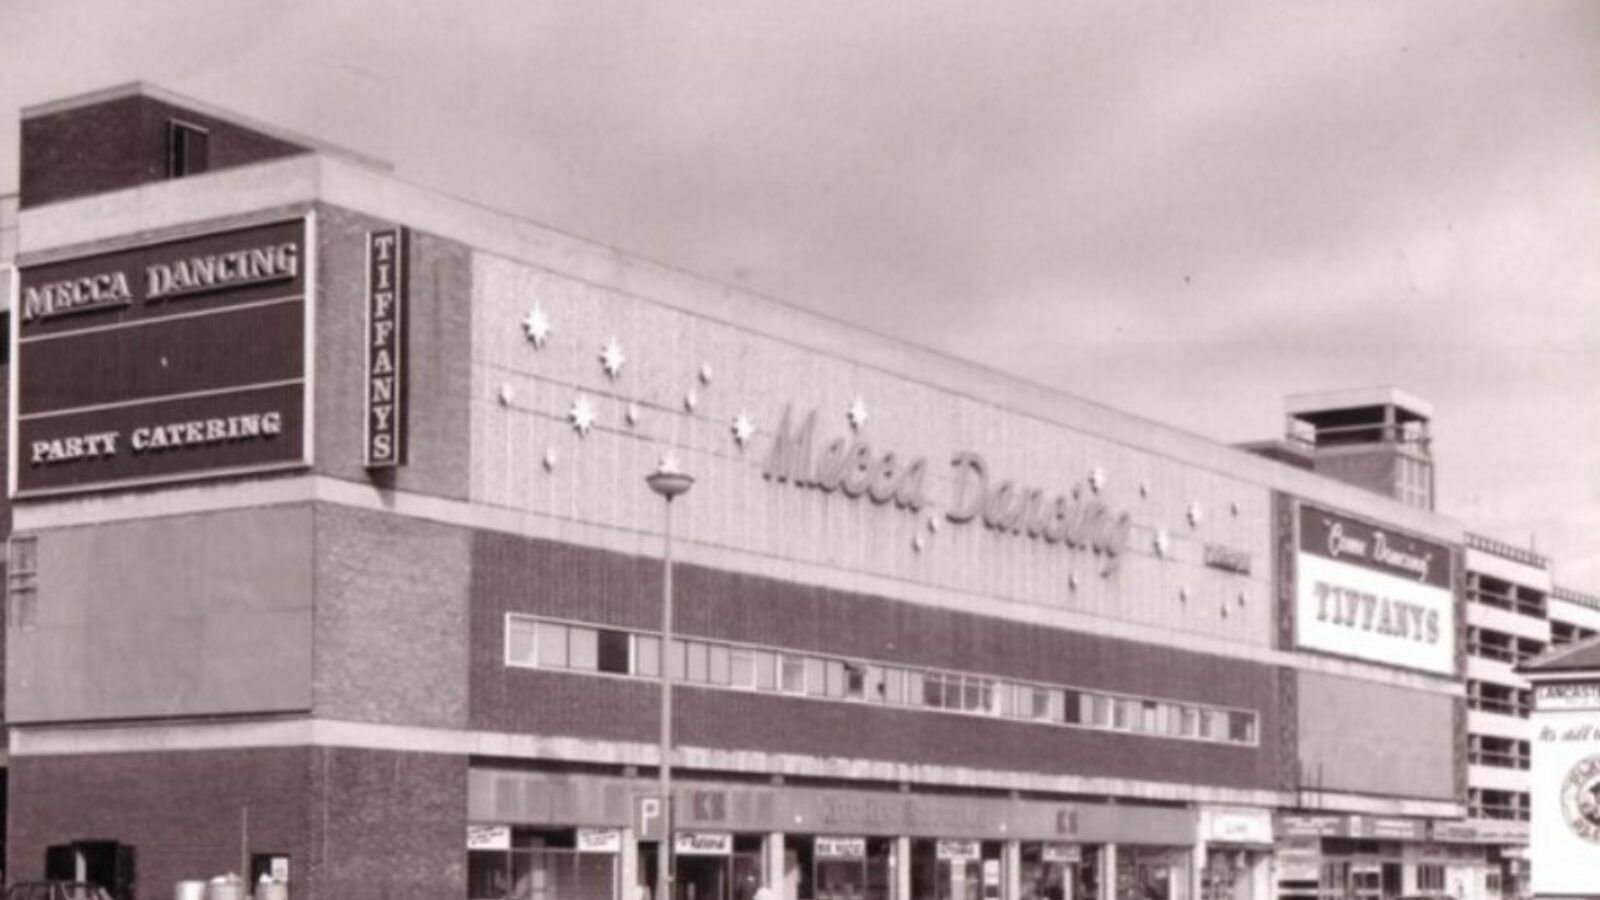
pixel 808 450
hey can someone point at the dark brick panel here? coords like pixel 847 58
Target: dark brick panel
pixel 392 826
pixel 515 574
pixel 120 144
pixel 182 811
pixel 356 824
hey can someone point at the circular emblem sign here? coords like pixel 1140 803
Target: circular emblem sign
pixel 1580 799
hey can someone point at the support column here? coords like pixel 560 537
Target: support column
pixel 1197 871
pixel 1108 872
pixel 1011 871
pixel 628 867
pixel 902 869
pixel 772 866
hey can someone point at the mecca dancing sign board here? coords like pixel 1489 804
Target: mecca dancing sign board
pixel 1373 594
pixel 163 362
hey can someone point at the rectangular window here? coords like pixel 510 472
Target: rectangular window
pixel 834 672
pixel 613 651
pixel 1121 714
pixel 1072 708
pixel 1212 725
pixel 1150 717
pixel 699 661
pixel 22 573
pixel 916 689
pixel 550 645
pixel 872 684
pixel 188 149
pixel 647 656
pixel 741 668
pixel 894 686
pixel 1022 703
pixel 1241 727
pixel 583 649
pixel 952 692
pixel 816 677
pixel 766 670
pixel 1054 705
pixel 972 691
pixel 1430 877
pixel 675 660
pixel 1188 721
pixel 721 662
pixel 933 690
pixel 855 681
pixel 794 674
pixel 519 640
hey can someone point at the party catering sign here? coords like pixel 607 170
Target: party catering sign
pixel 163 362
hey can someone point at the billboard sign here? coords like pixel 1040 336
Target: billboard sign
pixel 1373 594
pixel 163 362
pixel 1565 796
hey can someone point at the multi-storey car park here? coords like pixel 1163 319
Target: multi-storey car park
pixel 335 562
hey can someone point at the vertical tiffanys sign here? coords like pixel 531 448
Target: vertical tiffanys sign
pixel 387 292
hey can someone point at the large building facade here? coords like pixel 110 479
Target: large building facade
pixel 334 561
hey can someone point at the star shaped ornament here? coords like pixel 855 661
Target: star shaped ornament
pixel 857 413
pixel 1194 513
pixel 743 429
pixel 536 324
pixel 581 415
pixel 1162 543
pixel 1097 479
pixel 611 358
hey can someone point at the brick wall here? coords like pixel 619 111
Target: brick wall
pixel 390 619
pixel 389 826
pixel 355 823
pixel 438 365
pixel 182 811
pixel 515 574
pixel 122 143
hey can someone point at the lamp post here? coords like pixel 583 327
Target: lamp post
pixel 669 483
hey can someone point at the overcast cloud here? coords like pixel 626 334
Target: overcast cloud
pixel 1184 210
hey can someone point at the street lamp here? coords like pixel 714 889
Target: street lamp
pixel 668 482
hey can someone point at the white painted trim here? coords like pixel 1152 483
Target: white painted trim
pixel 160 320
pixel 113 507
pixel 40 741
pixel 163 398
pixel 309 278
pixel 11 388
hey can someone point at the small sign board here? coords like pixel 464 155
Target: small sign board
pixel 650 817
pixel 599 840
pixel 1061 853
pixel 704 843
pixel 951 850
pixel 488 837
pixel 841 847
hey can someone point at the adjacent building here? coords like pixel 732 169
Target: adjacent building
pixel 334 562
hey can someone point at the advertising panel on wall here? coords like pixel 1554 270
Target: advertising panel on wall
pixel 163 362
pixel 1565 794
pixel 1370 593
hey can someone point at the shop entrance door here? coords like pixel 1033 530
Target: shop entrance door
pixel 702 878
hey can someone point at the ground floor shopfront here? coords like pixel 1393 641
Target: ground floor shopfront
pixel 535 835
pixel 1356 857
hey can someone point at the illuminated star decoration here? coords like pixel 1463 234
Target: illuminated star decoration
pixel 691 400
pixel 611 358
pixel 1194 513
pixel 705 373
pixel 581 415
pixel 633 414
pixel 743 429
pixel 857 413
pixel 1097 479
pixel 537 325
pixel 1162 542
pixel 549 459
pixel 669 465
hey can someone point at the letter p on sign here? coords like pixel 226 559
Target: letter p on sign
pixel 649 817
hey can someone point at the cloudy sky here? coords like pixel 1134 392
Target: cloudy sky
pixel 1184 210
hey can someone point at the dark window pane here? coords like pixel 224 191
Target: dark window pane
pixel 613 652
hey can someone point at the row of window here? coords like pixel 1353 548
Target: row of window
pixel 1495 698
pixel 1496 592
pixel 1489 804
pixel 1505 753
pixel 542 643
pixel 1488 643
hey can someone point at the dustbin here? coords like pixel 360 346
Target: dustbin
pixel 225 887
pixel 189 890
